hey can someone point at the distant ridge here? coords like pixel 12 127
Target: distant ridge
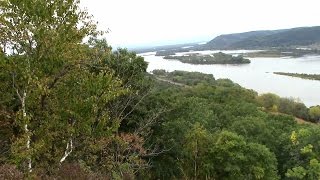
pixel 302 36
pixel 227 40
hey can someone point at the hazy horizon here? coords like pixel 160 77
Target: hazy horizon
pixel 144 23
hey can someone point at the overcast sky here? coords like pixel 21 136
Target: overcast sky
pixel 156 22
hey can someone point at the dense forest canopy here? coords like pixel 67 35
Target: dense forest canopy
pixel 71 107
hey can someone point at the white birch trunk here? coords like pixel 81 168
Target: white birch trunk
pixel 24 113
pixel 68 151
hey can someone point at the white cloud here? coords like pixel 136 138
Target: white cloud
pixel 139 22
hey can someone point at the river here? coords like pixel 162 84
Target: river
pixel 258 75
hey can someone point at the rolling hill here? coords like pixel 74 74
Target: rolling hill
pixel 308 37
pixel 302 36
pixel 227 40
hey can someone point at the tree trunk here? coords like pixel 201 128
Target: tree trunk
pixel 68 151
pixel 24 113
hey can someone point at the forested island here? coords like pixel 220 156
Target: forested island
pixel 271 52
pixel 282 52
pixel 165 53
pixel 217 58
pixel 71 107
pixel 302 76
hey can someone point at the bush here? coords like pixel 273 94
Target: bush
pixel 75 171
pixel 10 172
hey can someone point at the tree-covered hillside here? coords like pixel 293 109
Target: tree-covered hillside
pixel 300 41
pixel 304 36
pixel 216 129
pixel 71 107
pixel 226 40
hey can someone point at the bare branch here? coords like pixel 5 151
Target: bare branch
pixel 134 107
pixel 15 88
pixel 155 153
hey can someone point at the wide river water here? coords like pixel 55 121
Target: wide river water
pixel 258 75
